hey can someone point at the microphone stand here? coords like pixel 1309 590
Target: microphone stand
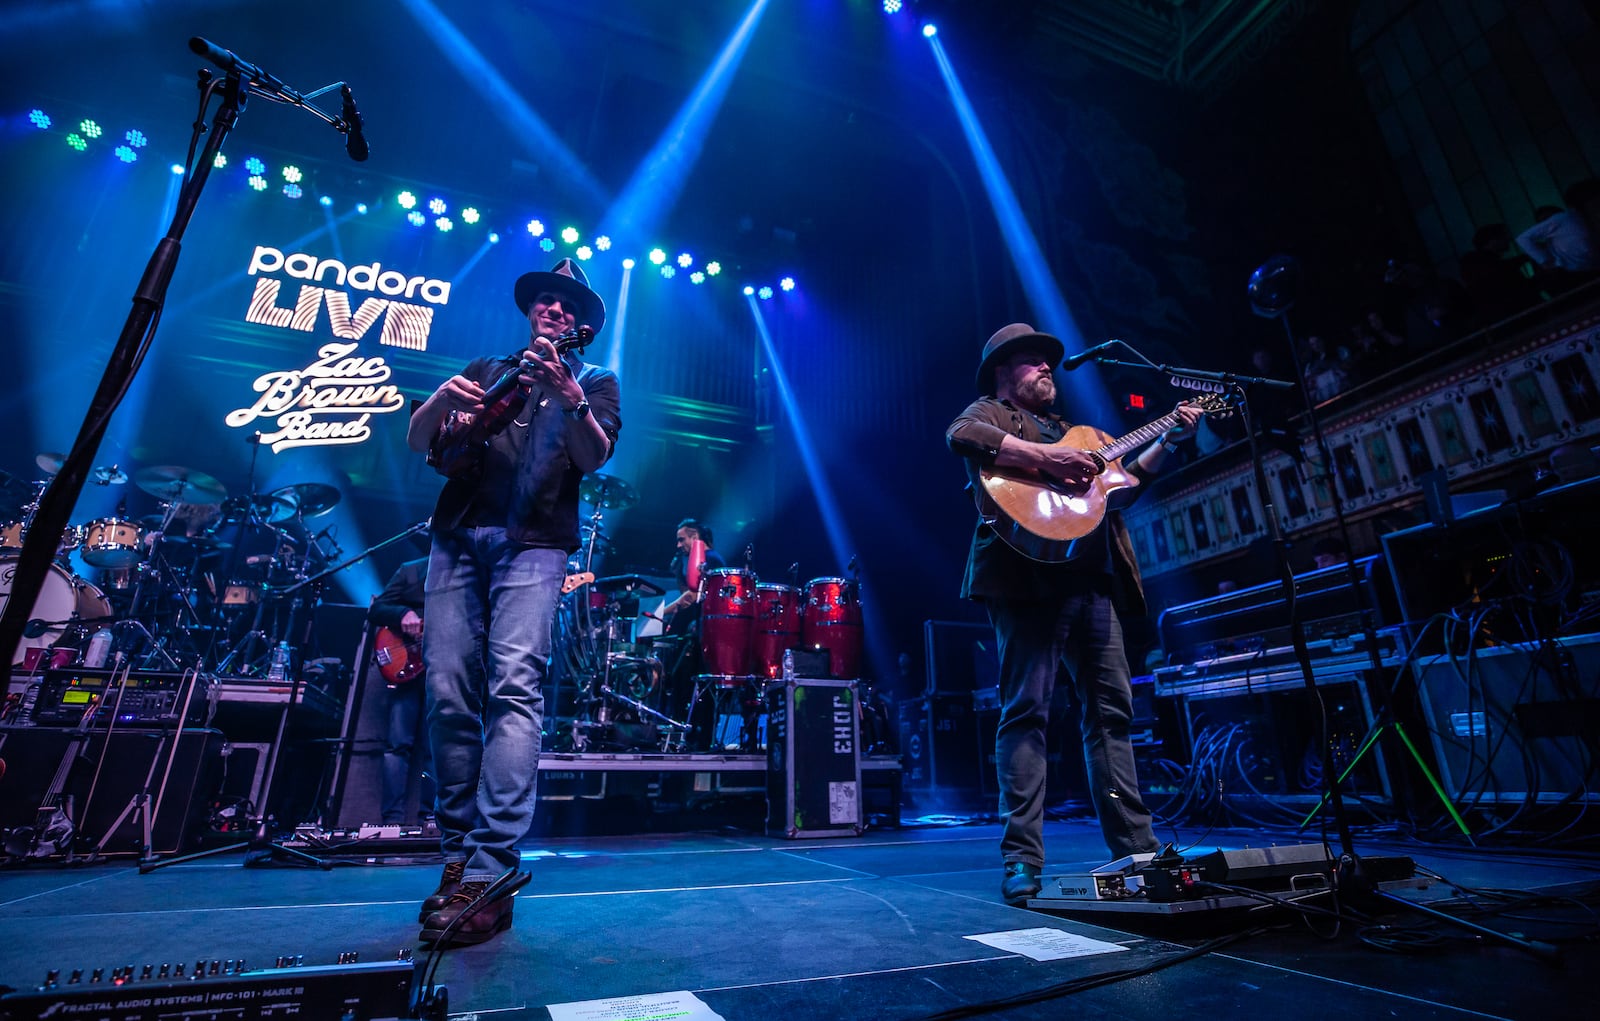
pixel 240 81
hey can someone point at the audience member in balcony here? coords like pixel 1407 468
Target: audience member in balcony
pixel 1565 243
pixel 1326 376
pixel 1494 275
pixel 1377 348
pixel 1428 306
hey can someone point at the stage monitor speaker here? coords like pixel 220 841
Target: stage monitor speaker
pixel 1516 723
pixel 104 784
pixel 961 656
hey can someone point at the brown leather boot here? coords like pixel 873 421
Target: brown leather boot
pixel 467 925
pixel 448 884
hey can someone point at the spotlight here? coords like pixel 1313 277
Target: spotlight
pixel 39 118
pixel 749 291
pixel 469 215
pixel 136 138
pixel 415 218
pixel 444 224
pixel 764 294
pixel 929 30
pixel 891 6
pixel 786 284
pixel 292 190
pixel 713 268
pixel 361 208
pixel 76 141
pixel 406 200
pixel 494 237
pixel 627 263
pixel 257 182
pixel 535 228
pixel 177 168
pixel 325 201
pixel 569 234
pixel 125 154
pixel 547 244
pixel 220 162
pixel 90 129
pixel 602 243
pixel 657 256
pixel 685 260
pixel 292 174
pixel 669 271
pixel 436 206
pixel 697 277
pixel 254 167
pixel 584 252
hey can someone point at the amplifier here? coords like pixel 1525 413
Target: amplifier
pixel 135 696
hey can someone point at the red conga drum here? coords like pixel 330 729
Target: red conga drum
pixel 727 618
pixel 777 628
pixel 831 619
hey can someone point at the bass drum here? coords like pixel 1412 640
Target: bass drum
pixel 68 605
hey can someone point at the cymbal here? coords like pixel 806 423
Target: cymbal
pixel 628 583
pixel 302 500
pixel 607 491
pixel 185 485
pixel 108 476
pixel 201 544
pixel 49 462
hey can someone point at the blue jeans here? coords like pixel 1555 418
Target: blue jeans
pixel 400 747
pixel 489 604
pixel 1035 638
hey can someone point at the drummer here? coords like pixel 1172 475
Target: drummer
pixel 695 557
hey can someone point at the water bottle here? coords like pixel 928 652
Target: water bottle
pixel 788 664
pixel 99 649
pixel 279 670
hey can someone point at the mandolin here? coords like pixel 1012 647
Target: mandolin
pixel 1040 516
pixel 458 447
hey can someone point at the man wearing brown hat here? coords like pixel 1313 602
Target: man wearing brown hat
pixel 1049 614
pixel 501 537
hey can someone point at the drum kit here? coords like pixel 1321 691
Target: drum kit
pixel 676 692
pixel 204 582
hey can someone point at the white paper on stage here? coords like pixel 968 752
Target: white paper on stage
pixel 674 1006
pixel 1045 944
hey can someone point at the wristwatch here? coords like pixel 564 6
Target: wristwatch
pixel 579 412
pixel 1167 445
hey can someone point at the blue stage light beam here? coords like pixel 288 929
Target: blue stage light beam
pixel 528 127
pixel 619 324
pixel 472 260
pixel 827 503
pixel 1081 390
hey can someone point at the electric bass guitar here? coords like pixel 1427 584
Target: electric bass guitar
pixel 399 656
pixel 1040 516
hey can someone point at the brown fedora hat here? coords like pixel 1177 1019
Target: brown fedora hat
pixel 1007 341
pixel 566 278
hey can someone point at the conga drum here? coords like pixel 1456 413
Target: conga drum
pixel 727 619
pixel 777 628
pixel 831 619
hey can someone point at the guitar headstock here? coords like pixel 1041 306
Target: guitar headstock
pixel 1217 405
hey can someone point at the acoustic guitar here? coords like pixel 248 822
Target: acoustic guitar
pixel 399 656
pixel 1040 516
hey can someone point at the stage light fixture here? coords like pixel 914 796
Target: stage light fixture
pixel 292 174
pixel 536 228
pixel 891 6
pixel 39 118
pixel 136 138
pixel 697 277
pixel 749 291
pixel 90 129
pixel 584 253
pixel 547 244
pixel 569 234
pixel 257 182
pixel 764 294
pixel 415 218
pixel 254 167
pixel 220 162
pixel 786 284
pixel 685 260
pixel 437 207
pixel 713 268
pixel 406 200
pixel 627 263
pixel 177 168
pixel 292 191
pixel 125 153
pixel 76 141
pixel 361 208
pixel 444 224
pixel 657 256
pixel 929 30
pixel 669 271
pixel 602 243
pixel 469 215
pixel 494 237
pixel 325 201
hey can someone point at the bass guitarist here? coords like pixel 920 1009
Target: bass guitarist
pixel 397 612
pixel 1063 611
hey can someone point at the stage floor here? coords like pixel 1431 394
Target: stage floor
pixel 761 928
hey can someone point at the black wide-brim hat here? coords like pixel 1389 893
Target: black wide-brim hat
pixel 566 278
pixel 1007 341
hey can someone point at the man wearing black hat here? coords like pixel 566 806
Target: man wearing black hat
pixel 1049 614
pixel 501 538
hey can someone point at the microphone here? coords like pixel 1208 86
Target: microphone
pixel 355 143
pixel 1073 361
pixel 232 63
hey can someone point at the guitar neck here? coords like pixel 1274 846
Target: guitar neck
pixel 1139 437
